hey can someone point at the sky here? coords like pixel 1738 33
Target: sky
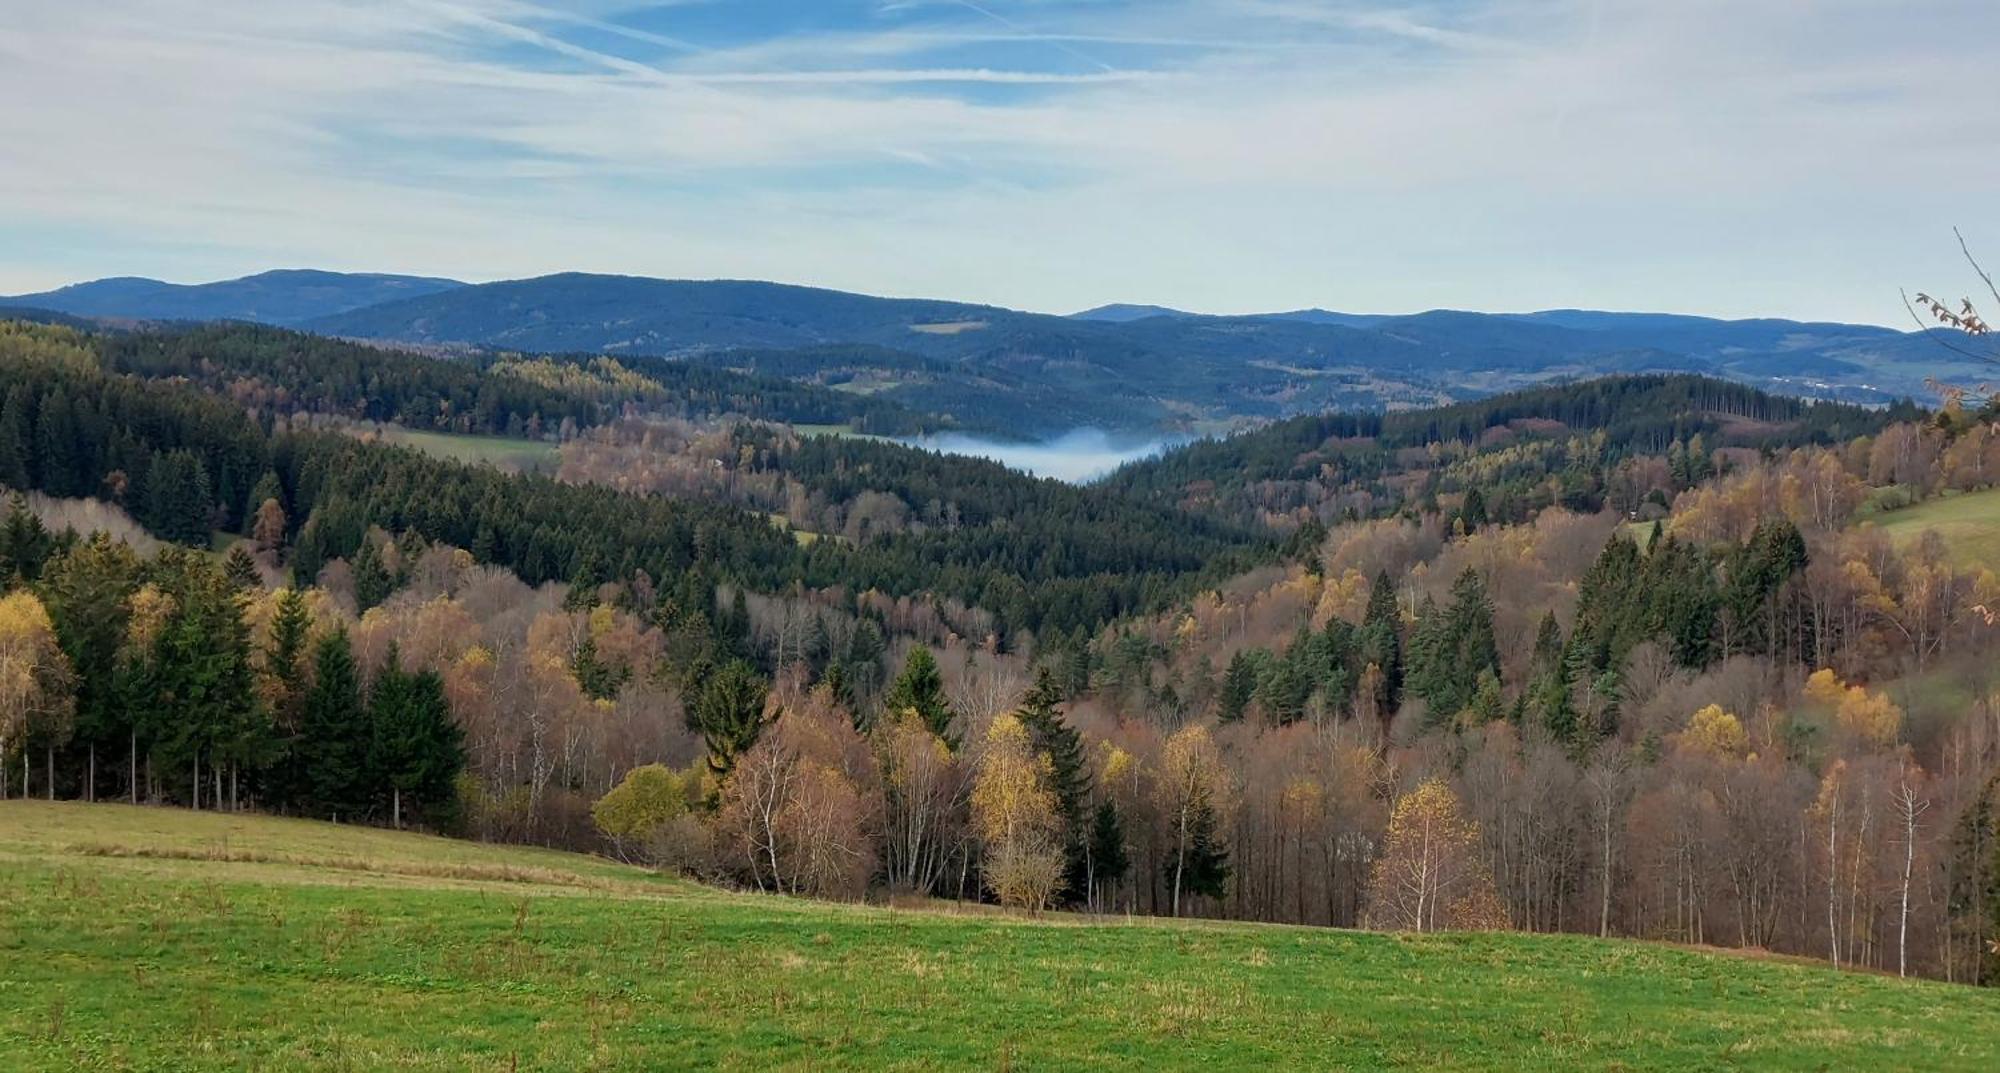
pixel 1801 158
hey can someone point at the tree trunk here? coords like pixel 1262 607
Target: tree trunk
pixel 90 784
pixel 132 771
pixel 196 788
pixel 396 796
pixel 51 758
pixel 1832 888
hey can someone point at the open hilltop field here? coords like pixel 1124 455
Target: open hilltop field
pixel 1968 522
pixel 156 939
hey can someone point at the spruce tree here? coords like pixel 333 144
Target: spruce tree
pixel 414 747
pixel 85 590
pixel 920 688
pixel 1206 870
pixel 1109 859
pixel 1069 775
pixel 372 583
pixel 1239 687
pixel 25 544
pixel 334 731
pixel 205 712
pixel 60 472
pixel 725 706
pixel 241 569
pixel 283 670
pixel 16 426
pixel 1973 898
pixel 1382 641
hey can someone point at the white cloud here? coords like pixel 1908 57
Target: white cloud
pixel 1757 156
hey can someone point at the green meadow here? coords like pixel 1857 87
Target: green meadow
pixel 157 939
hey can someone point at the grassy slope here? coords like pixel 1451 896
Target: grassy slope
pixel 252 944
pixel 1969 523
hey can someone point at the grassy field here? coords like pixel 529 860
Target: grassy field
pixel 504 452
pixel 1969 523
pixel 163 940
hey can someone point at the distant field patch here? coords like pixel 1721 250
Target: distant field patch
pixel 949 327
pixel 503 452
pixel 1969 523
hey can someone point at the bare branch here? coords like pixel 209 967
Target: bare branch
pixel 1976 267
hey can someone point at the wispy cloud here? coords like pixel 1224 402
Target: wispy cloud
pixel 1751 156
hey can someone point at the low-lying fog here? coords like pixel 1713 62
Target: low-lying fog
pixel 1077 456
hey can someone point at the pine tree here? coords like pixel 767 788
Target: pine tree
pixel 334 731
pixel 1051 735
pixel 920 688
pixel 414 746
pixel 1382 640
pixel 1239 687
pixel 205 712
pixel 726 708
pixel 598 680
pixel 59 472
pixel 1206 870
pixel 1973 898
pixel 241 569
pixel 85 590
pixel 179 505
pixel 1109 859
pixel 25 545
pixel 283 671
pixel 1473 511
pixel 372 583
pixel 268 489
pixel 16 424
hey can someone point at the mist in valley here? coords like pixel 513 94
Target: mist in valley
pixel 1077 456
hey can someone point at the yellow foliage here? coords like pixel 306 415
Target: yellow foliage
pixel 1715 732
pixel 1871 717
pixel 35 677
pixel 1824 687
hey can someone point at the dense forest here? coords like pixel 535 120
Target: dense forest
pixel 1361 464
pixel 281 372
pixel 1623 657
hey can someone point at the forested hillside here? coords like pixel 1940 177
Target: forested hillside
pixel 1578 445
pixel 1637 647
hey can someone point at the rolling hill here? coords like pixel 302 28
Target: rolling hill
pixel 142 938
pixel 284 296
pixel 1124 368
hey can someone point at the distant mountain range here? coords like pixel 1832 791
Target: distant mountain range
pixel 286 296
pixel 1120 367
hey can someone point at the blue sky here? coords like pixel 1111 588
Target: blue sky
pixel 1784 157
